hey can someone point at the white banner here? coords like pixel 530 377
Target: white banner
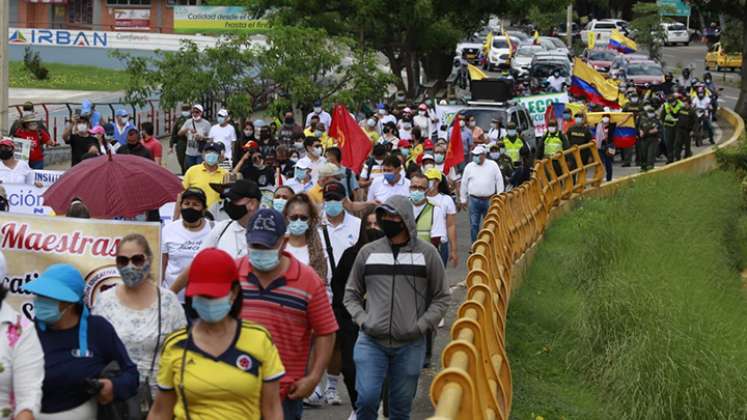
pixel 537 105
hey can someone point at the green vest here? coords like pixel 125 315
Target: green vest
pixel 553 145
pixel 670 113
pixel 512 148
pixel 424 222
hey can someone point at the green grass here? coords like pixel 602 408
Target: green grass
pixel 633 307
pixel 64 76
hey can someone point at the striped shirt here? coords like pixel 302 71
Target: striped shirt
pixel 291 307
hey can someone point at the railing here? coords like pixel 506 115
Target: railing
pixel 475 382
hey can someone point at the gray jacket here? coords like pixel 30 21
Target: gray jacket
pixel 397 301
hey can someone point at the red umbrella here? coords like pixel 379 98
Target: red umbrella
pixel 114 186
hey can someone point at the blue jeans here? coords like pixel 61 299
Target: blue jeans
pixel 292 409
pixel 607 161
pixel 190 161
pixel 478 208
pixel 36 164
pixel 443 249
pixel 400 365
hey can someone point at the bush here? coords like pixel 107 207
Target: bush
pixel 633 307
pixel 33 64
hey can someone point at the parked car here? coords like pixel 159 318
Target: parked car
pixel 645 72
pixel 621 61
pixel 717 58
pixel 544 64
pixel 601 29
pixel 600 58
pixel 522 60
pixel 675 33
pixel 555 44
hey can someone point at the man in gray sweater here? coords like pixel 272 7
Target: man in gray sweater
pixel 396 293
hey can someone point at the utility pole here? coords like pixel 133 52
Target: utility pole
pixel 568 25
pixel 4 8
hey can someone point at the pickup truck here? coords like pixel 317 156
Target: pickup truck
pixel 717 58
pixel 601 30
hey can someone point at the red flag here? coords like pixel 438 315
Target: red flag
pixel 352 141
pixel 455 150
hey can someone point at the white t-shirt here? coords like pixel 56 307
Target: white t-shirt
pixel 342 236
pixel 438 227
pixel 21 174
pixel 302 255
pixel 137 328
pixel 377 170
pixel 446 203
pixel 229 236
pixel 314 165
pixel 380 190
pixel 181 244
pixel 452 176
pixel 225 135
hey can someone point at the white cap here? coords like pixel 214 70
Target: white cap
pixel 428 156
pixel 303 164
pixel 198 107
pixel 328 169
pixel 479 150
pixel 222 113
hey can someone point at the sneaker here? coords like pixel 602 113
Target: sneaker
pixel 314 400
pixel 331 398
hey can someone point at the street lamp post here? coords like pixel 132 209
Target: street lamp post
pixel 4 9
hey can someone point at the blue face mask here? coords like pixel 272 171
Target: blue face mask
pixel 211 310
pixel 299 174
pixel 476 159
pixel 298 227
pixel 279 204
pixel 264 259
pixel 417 196
pixel 47 310
pixel 511 132
pixel 405 152
pixel 390 177
pixel 211 158
pixel 333 208
pixel 221 120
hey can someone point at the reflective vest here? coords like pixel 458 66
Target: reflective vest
pixel 553 145
pixel 513 148
pixel 424 222
pixel 670 113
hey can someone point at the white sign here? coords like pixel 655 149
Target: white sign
pixel 22 151
pixel 537 105
pixel 132 19
pixel 26 199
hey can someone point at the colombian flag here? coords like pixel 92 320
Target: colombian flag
pixel 590 84
pixel 621 43
pixel 624 133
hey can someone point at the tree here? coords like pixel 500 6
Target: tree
pixel 410 34
pixel 648 31
pixel 294 67
pixel 736 10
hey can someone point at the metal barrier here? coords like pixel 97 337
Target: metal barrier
pixel 475 382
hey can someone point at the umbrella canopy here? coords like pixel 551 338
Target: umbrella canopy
pixel 114 186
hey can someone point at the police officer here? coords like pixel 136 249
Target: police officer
pixel 633 106
pixel 648 134
pixel 512 142
pixel 552 142
pixel 578 135
pixel 685 123
pixel 669 121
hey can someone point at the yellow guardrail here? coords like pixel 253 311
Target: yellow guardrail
pixel 475 382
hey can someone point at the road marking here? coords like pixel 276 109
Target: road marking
pixel 730 97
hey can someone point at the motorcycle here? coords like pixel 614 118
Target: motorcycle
pixel 699 129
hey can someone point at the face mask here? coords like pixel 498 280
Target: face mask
pixel 476 159
pixel 6 154
pixel 298 227
pixel 185 113
pixel 634 99
pixel 249 132
pixel 221 120
pixel 511 133
pixel 82 128
pixel 190 215
pixel 406 126
pixel 495 155
pixel 264 259
pixel 317 110
pixel 298 145
pixel 556 74
pixel 211 158
pixel 235 212
pixel 318 133
pixel 333 208
pixel 371 122
pixel 47 310
pixel 605 120
pixel 579 120
pixel 421 113
pixel 439 157
pixel 651 114
pixel 125 120
pixel 392 228
pixel 428 166
pixel 552 129
pixel 132 276
pixel 405 152
pixel 197 117
pixel 33 126
pixel 374 234
pixel 211 310
pixel 417 196
pixel 299 174
pixel 472 124
pixel 493 125
pixel 566 117
pixel 279 204
pixel 382 112
pixel 390 178
pixel 289 120
pixel 318 151
pixel 700 96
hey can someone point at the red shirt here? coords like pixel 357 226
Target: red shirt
pixel 37 153
pixel 291 308
pixel 153 146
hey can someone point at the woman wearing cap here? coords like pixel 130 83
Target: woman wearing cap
pixel 141 313
pixel 304 243
pixel 12 170
pixel 77 348
pixel 221 367
pixel 31 130
pixel 22 360
pixel 182 238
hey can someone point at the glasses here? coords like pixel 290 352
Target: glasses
pixel 137 260
pixel 301 217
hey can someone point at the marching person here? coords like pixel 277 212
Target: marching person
pixel 396 293
pixel 178 142
pixel 392 183
pixel 482 179
pixel 579 135
pixel 151 143
pixel 220 367
pixel 77 135
pixel 133 146
pixel 448 245
pixel 77 348
pixel 686 119
pixel 122 126
pixel 633 106
pixel 430 220
pixel 301 181
pixel 225 133
pixel 197 130
pixel 603 140
pixel 207 172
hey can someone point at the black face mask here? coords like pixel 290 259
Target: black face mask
pixel 235 212
pixel 374 234
pixel 289 120
pixel 6 154
pixel 190 215
pixel 391 228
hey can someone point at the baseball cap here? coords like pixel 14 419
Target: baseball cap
pixel 86 107
pixel 7 142
pixel 61 282
pixel 303 164
pixel 266 228
pixel 133 129
pixel 222 113
pixel 97 130
pixel 328 169
pixel 243 188
pixel 403 143
pixel 479 150
pixel 197 107
pixel 318 102
pixel 433 173
pixel 214 146
pixel 423 107
pixel 428 156
pixel 334 191
pixel 427 144
pixel 122 113
pixel 211 274
pixel 194 192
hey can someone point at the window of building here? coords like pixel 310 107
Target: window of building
pixel 183 2
pixel 80 12
pixel 128 2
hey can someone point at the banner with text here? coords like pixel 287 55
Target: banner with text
pixel 32 243
pixel 537 105
pixel 103 39
pixel 206 19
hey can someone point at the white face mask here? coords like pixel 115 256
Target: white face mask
pixel 493 125
pixel 82 128
pixel 421 113
pixel 651 114
pixel 605 120
pixel 552 129
pixel 371 123
pixel 472 124
pixel 197 117
pixel 185 113
pixel 317 110
pixel 382 112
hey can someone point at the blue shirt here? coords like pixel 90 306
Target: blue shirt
pixel 64 384
pixel 121 136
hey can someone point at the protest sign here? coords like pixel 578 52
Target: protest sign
pixel 26 199
pixel 537 105
pixel 32 243
pixel 221 19
pixel 22 150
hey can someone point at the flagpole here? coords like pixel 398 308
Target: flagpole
pixel 568 25
pixel 4 6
